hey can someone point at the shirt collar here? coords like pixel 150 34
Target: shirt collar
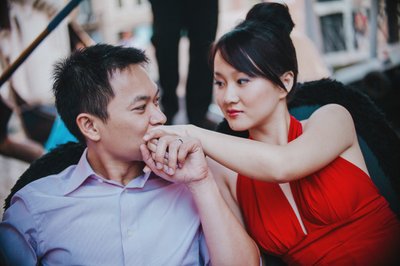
pixel 83 171
pixel 140 181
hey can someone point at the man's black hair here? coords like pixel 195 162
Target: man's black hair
pixel 82 81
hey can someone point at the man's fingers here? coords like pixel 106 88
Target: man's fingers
pixel 146 156
pixel 146 169
pixel 160 152
pixel 173 153
pixel 183 153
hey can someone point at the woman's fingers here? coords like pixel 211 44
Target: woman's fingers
pixel 152 145
pixel 160 131
pixel 154 134
pixel 164 152
pixel 150 163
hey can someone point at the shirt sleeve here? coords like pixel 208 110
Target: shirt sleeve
pixel 204 255
pixel 18 235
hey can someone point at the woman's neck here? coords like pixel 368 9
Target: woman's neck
pixel 274 130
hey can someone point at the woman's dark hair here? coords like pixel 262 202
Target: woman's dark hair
pixel 272 14
pixel 82 81
pixel 261 44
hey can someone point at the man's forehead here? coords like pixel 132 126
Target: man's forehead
pixel 127 69
pixel 134 77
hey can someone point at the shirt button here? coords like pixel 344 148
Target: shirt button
pixel 130 232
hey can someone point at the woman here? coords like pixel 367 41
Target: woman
pixel 303 189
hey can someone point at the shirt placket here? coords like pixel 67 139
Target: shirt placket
pixel 129 228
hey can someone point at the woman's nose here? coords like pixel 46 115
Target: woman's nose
pixel 230 95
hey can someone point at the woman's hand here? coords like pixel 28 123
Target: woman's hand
pixel 160 131
pixel 177 159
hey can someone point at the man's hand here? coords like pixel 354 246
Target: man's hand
pixel 177 159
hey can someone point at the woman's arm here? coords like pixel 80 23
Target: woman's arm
pixel 328 133
pixel 226 181
pixel 227 241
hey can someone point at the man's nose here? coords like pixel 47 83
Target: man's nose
pixel 157 117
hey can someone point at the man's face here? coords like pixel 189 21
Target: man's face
pixel 132 111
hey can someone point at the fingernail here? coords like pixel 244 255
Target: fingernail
pixel 159 165
pixel 170 171
pixel 165 169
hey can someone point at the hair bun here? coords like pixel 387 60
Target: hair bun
pixel 271 14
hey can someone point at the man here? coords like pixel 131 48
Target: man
pixel 105 210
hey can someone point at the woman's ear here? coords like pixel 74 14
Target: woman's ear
pixel 87 125
pixel 287 79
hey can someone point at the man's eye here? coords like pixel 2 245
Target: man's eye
pixel 140 108
pixel 157 101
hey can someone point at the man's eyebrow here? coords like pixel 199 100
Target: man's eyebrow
pixel 157 92
pixel 140 98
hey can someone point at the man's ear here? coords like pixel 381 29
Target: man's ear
pixel 87 124
pixel 287 79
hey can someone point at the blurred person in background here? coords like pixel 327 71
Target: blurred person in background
pixel 198 20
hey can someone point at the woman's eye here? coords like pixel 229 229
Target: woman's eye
pixel 217 83
pixel 242 81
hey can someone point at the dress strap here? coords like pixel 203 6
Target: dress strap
pixel 295 129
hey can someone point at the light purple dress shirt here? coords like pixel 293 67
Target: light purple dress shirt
pixel 79 218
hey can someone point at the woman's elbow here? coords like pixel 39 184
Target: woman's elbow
pixel 280 170
pixel 281 176
pixel 278 173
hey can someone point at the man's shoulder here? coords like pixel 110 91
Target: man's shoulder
pixel 48 185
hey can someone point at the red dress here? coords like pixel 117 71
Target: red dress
pixel 347 221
